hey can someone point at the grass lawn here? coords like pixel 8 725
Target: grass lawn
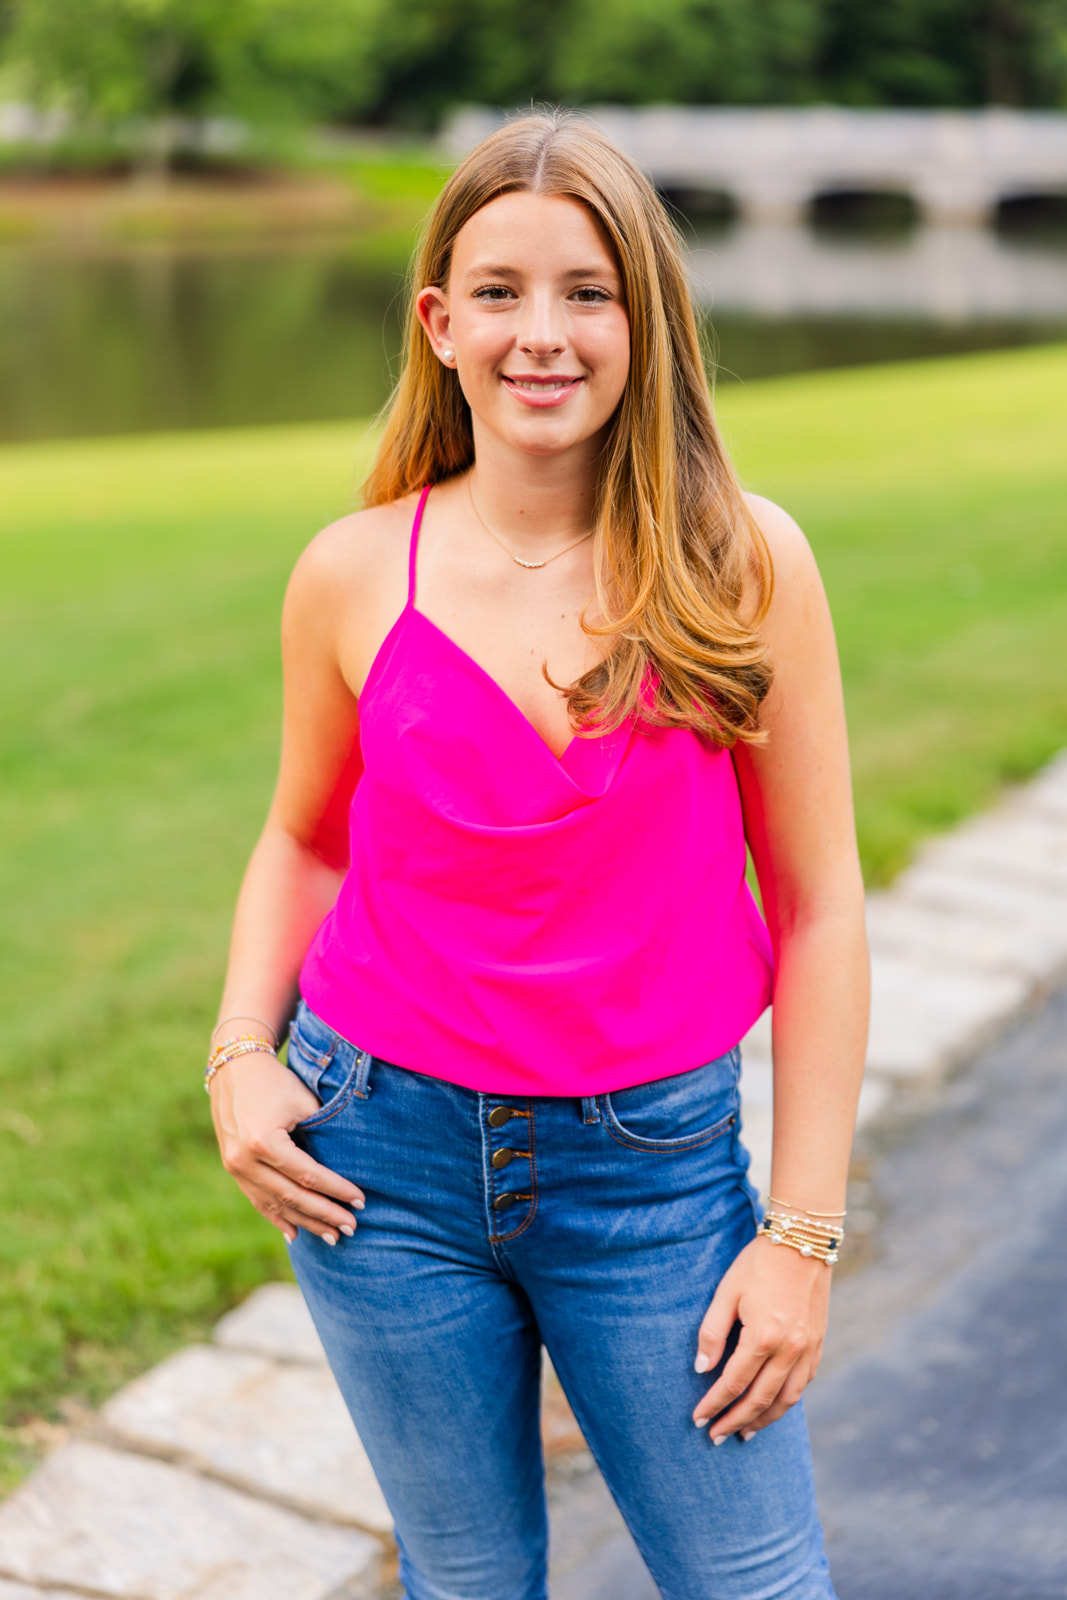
pixel 140 703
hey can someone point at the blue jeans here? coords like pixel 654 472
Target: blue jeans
pixel 598 1227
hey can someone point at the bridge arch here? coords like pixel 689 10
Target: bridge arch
pixel 958 166
pixel 892 209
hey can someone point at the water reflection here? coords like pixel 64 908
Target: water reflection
pixel 158 338
pixel 154 337
pixel 955 275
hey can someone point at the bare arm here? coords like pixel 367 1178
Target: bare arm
pixel 292 881
pixel 796 797
pixel 297 867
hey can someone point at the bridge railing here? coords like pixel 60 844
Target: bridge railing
pixel 773 162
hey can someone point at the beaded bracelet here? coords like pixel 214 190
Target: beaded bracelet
pixel 785 1206
pixel 240 1016
pixel 808 1237
pixel 244 1045
pixel 782 1222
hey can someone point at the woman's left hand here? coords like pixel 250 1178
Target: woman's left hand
pixel 781 1300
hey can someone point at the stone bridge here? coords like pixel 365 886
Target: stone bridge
pixel 957 166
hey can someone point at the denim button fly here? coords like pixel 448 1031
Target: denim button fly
pixel 510 1171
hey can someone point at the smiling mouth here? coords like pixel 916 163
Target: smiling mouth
pixel 541 385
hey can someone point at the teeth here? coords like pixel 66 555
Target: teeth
pixel 541 388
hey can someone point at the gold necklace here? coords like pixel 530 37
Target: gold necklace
pixel 519 562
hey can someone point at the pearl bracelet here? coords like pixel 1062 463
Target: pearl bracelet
pixel 809 1238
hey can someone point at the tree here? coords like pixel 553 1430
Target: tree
pixel 159 60
pixel 945 52
pixel 405 62
pixel 698 51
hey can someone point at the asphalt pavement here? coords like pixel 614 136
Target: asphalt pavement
pixel 939 1418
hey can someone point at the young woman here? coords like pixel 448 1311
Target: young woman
pixel 539 694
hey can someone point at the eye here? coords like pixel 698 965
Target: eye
pixel 591 297
pixel 493 292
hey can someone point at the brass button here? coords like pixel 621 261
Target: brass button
pixel 502 1201
pixel 502 1157
pixel 499 1115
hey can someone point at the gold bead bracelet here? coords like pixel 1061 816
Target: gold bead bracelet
pixel 244 1045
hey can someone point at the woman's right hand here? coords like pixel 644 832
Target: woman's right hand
pixel 256 1102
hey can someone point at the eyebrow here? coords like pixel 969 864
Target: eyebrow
pixel 487 270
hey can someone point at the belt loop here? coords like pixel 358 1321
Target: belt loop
pixel 590 1108
pixel 361 1083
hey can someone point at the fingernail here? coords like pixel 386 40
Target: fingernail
pixel 329 1238
pixel 701 1363
pixel 347 1231
pixel 358 1205
pixel 290 1238
pixel 721 1439
pixel 751 1434
pixel 702 1422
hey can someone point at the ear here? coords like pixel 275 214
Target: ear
pixel 431 307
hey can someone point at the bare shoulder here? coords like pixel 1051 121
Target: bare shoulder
pixel 789 548
pixel 797 626
pixel 348 588
pixel 357 552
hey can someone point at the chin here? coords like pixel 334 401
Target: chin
pixel 542 437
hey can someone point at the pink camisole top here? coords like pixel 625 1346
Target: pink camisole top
pixel 522 923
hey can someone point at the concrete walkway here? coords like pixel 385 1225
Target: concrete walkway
pixel 940 1429
pixel 939 1418
pixel 231 1471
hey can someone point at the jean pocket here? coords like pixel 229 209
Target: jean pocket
pixel 672 1115
pixel 334 1070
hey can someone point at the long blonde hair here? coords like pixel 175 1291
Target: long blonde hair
pixel 676 546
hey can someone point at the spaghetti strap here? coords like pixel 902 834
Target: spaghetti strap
pixel 413 553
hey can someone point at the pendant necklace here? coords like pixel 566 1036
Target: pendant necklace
pixel 519 562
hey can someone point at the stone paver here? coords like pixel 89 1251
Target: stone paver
pixel 21 1591
pixel 1019 847
pixel 114 1524
pixel 1018 907
pixel 276 1429
pixel 274 1321
pixel 900 925
pixel 923 1017
pixel 1047 793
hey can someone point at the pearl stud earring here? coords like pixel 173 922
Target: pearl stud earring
pixel 448 355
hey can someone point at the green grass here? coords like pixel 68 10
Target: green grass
pixel 935 495
pixel 396 186
pixel 139 692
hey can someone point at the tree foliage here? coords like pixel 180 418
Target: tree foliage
pixel 945 52
pixel 262 59
pixel 407 61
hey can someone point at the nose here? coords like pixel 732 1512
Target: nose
pixel 542 332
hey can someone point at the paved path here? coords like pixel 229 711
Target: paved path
pixel 942 1442
pixel 939 1419
pixel 231 1471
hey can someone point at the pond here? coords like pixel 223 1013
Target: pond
pixel 153 337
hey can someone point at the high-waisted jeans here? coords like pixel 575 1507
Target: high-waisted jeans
pixel 597 1227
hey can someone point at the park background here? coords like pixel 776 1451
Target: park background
pixel 205 215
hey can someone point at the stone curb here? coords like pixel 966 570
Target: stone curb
pixel 231 1471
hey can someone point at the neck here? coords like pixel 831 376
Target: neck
pixel 534 501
